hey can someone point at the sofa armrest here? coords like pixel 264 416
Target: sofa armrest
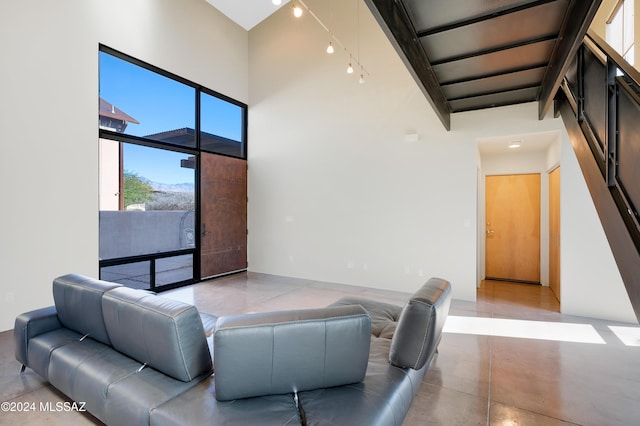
pixel 32 324
pixel 288 351
pixel 420 324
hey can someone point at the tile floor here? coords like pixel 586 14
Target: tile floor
pixel 489 370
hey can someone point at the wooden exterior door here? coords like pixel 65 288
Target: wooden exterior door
pixel 554 231
pixel 223 215
pixel 512 250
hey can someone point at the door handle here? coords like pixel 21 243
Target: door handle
pixel 204 229
pixel 489 232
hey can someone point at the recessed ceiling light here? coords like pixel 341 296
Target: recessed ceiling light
pixel 515 144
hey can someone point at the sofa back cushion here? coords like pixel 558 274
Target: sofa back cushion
pixel 78 301
pixel 164 334
pixel 282 352
pixel 419 328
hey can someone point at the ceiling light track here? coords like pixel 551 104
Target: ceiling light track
pixel 335 42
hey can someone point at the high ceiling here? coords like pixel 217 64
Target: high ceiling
pixel 470 54
pixel 473 54
pixel 246 13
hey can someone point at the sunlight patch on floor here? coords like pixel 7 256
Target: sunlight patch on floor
pixel 630 336
pixel 562 332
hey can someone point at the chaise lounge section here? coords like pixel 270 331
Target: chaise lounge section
pixel 137 358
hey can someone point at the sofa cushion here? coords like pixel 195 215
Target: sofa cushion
pixel 384 316
pixel 198 407
pixel 382 399
pixel 42 346
pixel 282 352
pixel 420 325
pixel 162 333
pixel 78 301
pixel 131 401
pixel 84 371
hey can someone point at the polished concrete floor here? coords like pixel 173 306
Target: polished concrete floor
pixel 510 358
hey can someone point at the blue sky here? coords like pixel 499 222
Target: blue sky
pixel 161 104
pixel 157 165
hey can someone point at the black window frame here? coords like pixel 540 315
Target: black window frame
pixel 127 138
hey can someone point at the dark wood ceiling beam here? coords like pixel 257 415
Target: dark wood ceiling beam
pixel 495 92
pixel 495 74
pixel 577 20
pixel 520 43
pixel 481 18
pixel 397 26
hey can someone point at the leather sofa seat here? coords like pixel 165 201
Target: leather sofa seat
pixel 140 359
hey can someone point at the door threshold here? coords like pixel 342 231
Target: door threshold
pixel 513 280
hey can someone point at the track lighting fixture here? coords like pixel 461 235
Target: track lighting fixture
pixel 330 49
pixel 349 69
pixel 297 11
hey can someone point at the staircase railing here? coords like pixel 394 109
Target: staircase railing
pixel 603 112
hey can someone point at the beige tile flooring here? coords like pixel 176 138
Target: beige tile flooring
pixel 489 370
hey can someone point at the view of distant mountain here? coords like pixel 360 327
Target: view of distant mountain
pixel 166 187
pixel 176 187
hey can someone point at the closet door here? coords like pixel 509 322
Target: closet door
pixel 223 215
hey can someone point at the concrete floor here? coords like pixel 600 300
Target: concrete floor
pixel 510 358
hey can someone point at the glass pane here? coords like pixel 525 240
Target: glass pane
pixel 139 102
pixel 222 126
pixel 134 275
pixel 614 31
pixel 175 269
pixel 628 25
pixel 156 206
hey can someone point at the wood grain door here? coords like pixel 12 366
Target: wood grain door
pixel 554 231
pixel 512 250
pixel 223 215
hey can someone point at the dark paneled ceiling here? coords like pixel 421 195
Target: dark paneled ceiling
pixel 474 54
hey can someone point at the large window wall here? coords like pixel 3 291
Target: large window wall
pixel 153 128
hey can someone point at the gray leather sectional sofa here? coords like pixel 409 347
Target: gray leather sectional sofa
pixel 136 358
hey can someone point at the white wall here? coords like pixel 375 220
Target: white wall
pixel 590 283
pixel 49 119
pixel 335 192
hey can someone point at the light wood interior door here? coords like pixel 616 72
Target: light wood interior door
pixel 554 231
pixel 223 215
pixel 512 250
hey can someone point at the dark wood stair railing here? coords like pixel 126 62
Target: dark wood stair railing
pixel 600 107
